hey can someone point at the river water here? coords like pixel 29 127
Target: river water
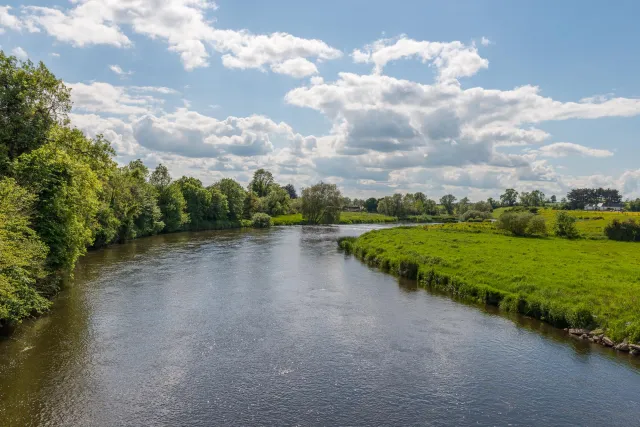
pixel 277 327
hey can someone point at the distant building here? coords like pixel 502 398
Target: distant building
pixel 353 208
pixel 604 207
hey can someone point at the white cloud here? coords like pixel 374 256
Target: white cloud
pixel 564 149
pixel 119 71
pixel 10 21
pixel 20 53
pixel 452 59
pixel 485 41
pixel 183 25
pixel 99 97
pixel 296 67
pixel 55 54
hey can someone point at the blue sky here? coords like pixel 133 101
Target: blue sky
pixel 457 97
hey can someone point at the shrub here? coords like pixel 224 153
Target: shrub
pixel 566 226
pixel 261 220
pixel 476 215
pixel 626 231
pixel 515 223
pixel 537 226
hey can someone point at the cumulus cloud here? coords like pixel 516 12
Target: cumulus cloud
pixel 20 53
pixel 8 20
pixel 183 25
pixel 98 97
pixel 451 59
pixel 565 149
pixel 191 134
pixel 296 67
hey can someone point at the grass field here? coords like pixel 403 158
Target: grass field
pixel 591 224
pixel 345 218
pixel 576 283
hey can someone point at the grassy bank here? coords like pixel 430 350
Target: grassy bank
pixel 580 283
pixel 345 218
pixel 363 218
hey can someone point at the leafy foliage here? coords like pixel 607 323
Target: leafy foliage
pixel 261 220
pixel 626 231
pixel 321 204
pixel 565 226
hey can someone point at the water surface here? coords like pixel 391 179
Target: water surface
pixel 277 327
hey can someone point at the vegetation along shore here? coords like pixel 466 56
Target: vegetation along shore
pixel 589 286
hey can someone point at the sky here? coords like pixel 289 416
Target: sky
pixel 378 97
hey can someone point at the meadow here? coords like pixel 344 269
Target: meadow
pixel 591 224
pixel 580 283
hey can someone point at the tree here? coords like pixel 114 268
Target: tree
pixel 261 182
pixel 430 207
pixel 160 177
pixel 235 195
pixel 32 102
pixel 463 205
pixel 173 207
pixel 198 201
pixel 448 202
pixel 22 255
pixel 276 201
pixel 321 204
pixel 371 204
pixel 66 191
pixel 634 205
pixel 219 206
pixel 251 205
pixel 509 198
pixel 291 190
pixel 565 226
pixel 493 203
pixel 392 206
pixel 553 199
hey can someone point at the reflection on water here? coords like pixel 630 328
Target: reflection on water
pixel 276 327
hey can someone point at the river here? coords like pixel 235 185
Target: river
pixel 276 327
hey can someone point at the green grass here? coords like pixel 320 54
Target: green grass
pixel 345 218
pixel 590 224
pixel 579 283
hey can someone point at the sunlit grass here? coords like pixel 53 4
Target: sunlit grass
pixel 580 283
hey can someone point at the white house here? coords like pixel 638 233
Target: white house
pixel 604 207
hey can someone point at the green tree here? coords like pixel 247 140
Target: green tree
pixel 251 205
pixel 198 201
pixel 173 207
pixel 160 177
pixel 509 198
pixel 448 202
pixel 276 201
pixel 463 205
pixel 67 201
pixel 219 207
pixel 371 204
pixel 261 182
pixel 565 226
pixel 22 255
pixel 32 102
pixel 321 204
pixel 235 195
pixel 291 190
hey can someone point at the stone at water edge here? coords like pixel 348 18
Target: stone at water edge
pixel 635 347
pixel 607 341
pixel 634 352
pixel 623 346
pixel 578 331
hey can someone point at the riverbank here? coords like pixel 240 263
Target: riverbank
pixel 366 218
pixel 590 287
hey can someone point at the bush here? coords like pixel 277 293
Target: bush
pixel 566 226
pixel 626 231
pixel 515 223
pixel 475 215
pixel 261 220
pixel 537 226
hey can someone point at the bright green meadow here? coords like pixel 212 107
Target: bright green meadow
pixel 568 283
